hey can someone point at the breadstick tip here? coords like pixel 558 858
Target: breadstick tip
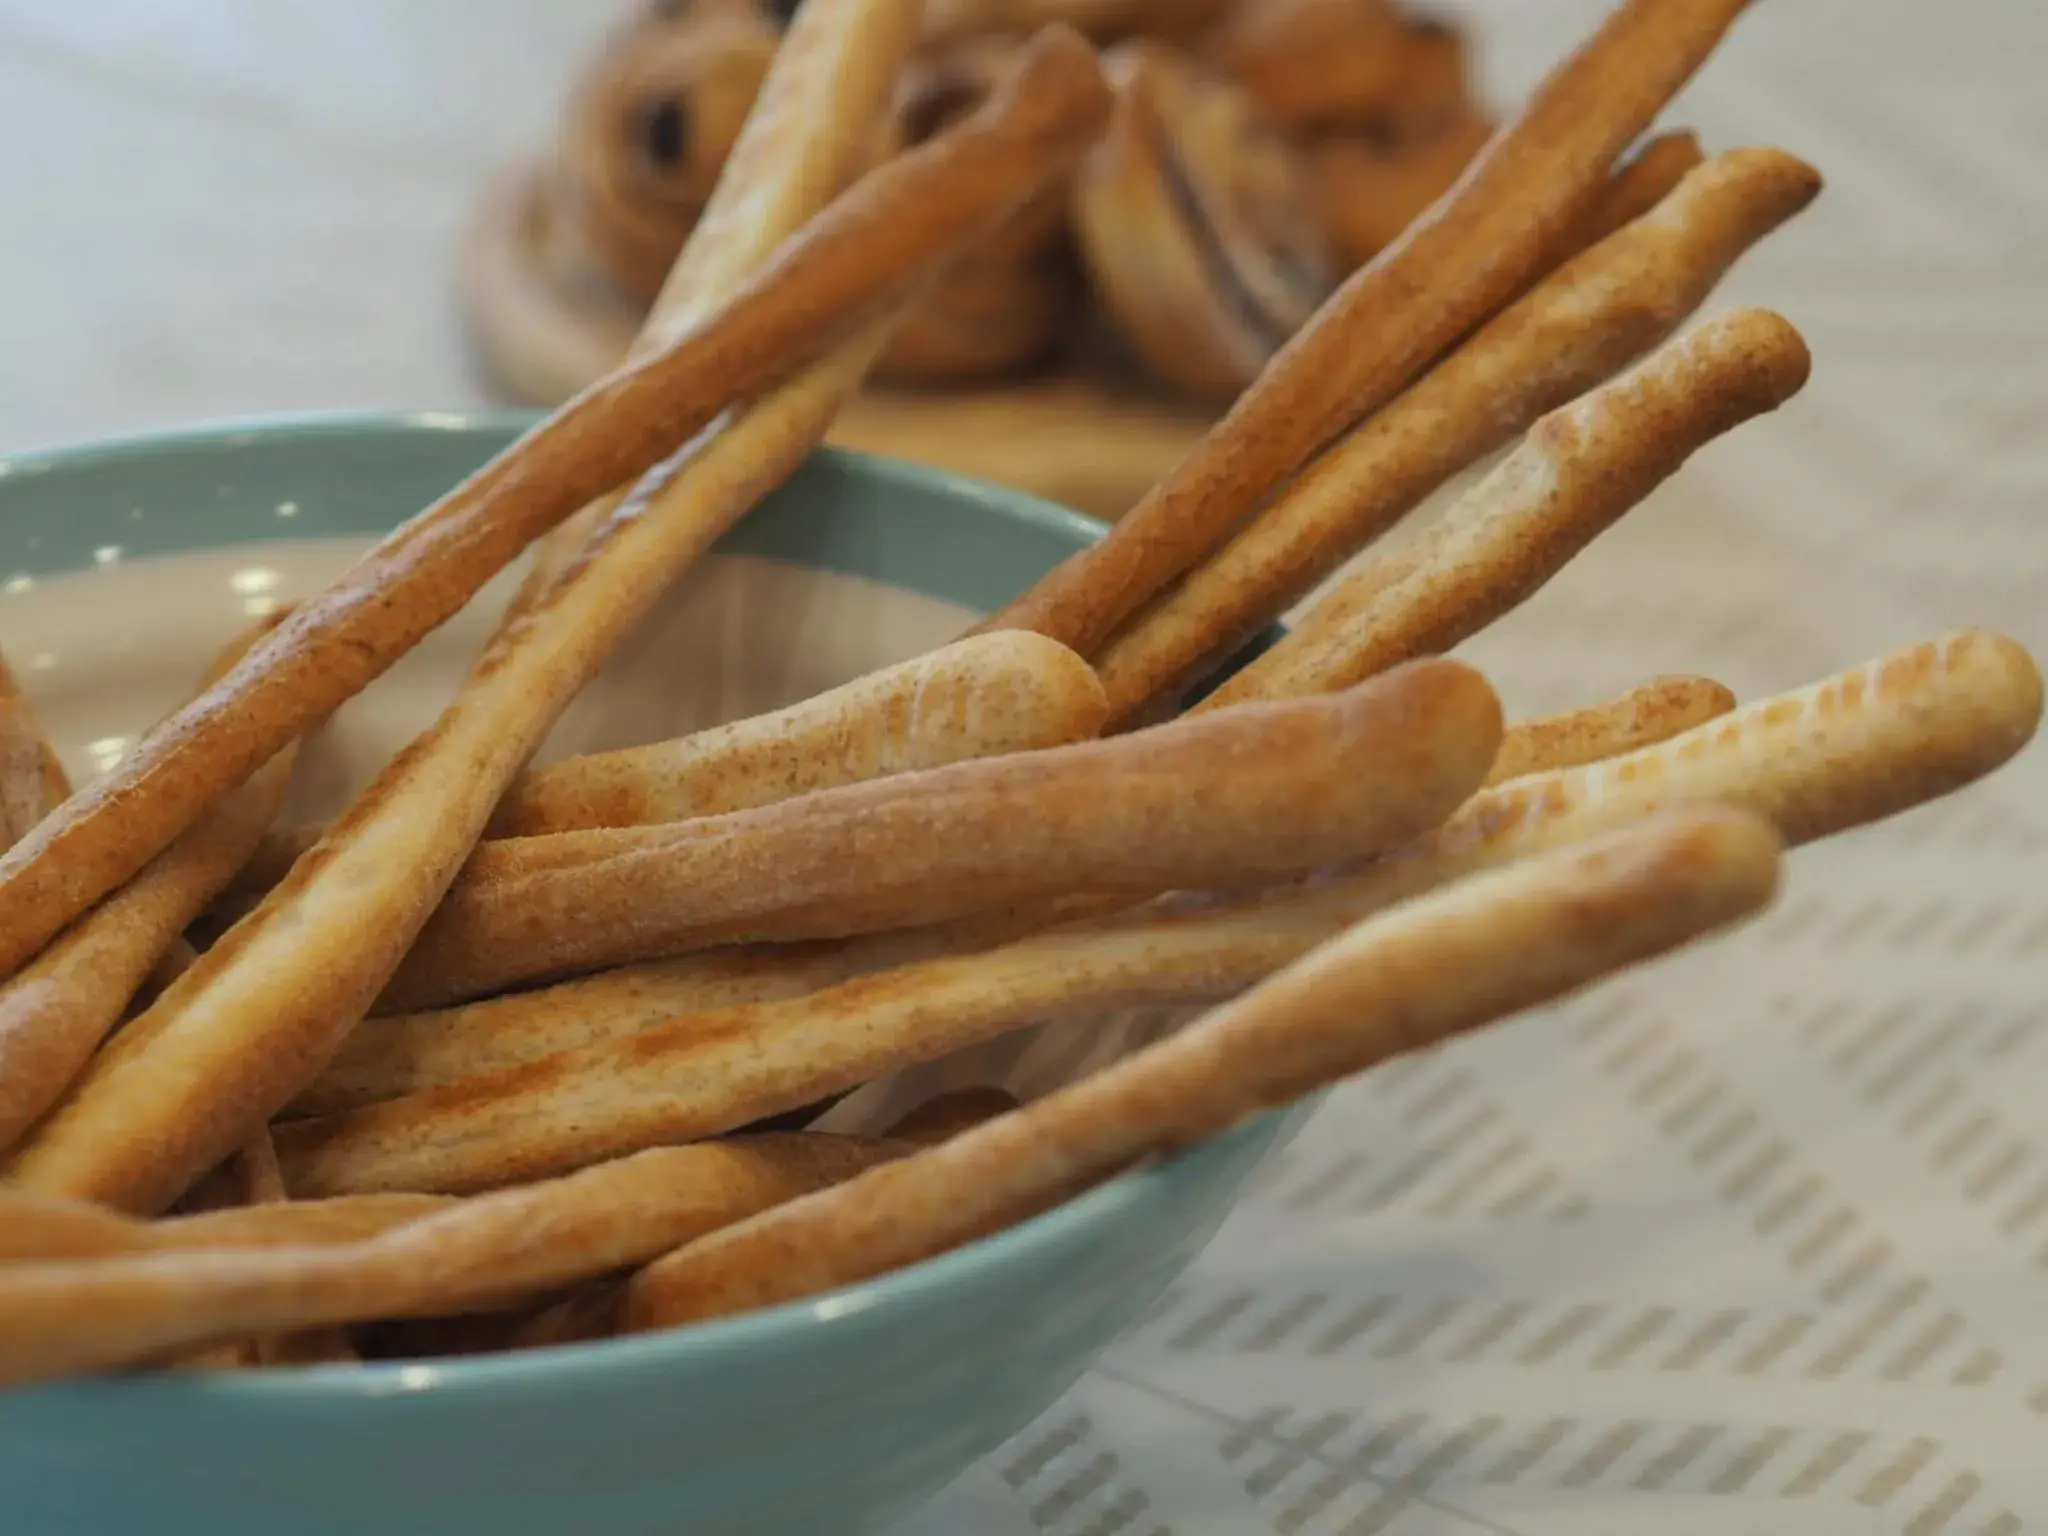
pixel 1061 66
pixel 1727 860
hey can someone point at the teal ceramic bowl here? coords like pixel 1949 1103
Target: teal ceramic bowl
pixel 820 1419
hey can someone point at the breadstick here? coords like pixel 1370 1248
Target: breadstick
pixel 833 76
pixel 65 1318
pixel 1264 793
pixel 266 1007
pixel 591 1311
pixel 1597 313
pixel 1469 254
pixel 1638 184
pixel 1642 717
pixel 1578 470
pixel 402 1053
pixel 56 1010
pixel 1451 962
pixel 50 1227
pixel 871 248
pixel 983 697
pixel 255 1169
pixel 32 779
pixel 1851 749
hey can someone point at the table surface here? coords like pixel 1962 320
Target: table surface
pixel 1754 1242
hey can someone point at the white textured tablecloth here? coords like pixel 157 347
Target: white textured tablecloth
pixel 1756 1241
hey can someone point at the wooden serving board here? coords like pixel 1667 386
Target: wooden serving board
pixel 1074 440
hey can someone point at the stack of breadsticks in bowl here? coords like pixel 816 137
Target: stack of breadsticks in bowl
pixel 511 1056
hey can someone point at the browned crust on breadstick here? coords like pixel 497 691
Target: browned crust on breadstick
pixel 402 1053
pixel 265 1008
pixel 967 700
pixel 49 1227
pixel 872 246
pixel 66 1318
pixel 1577 471
pixel 1471 253
pixel 1447 963
pixel 1264 793
pixel 1639 183
pixel 1597 313
pixel 981 697
pixel 1851 749
pixel 830 81
pixel 1652 712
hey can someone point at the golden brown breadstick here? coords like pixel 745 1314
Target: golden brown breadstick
pixel 260 1014
pixel 56 1010
pixel 829 82
pixel 705 1073
pixel 64 1318
pixel 32 779
pixel 1264 793
pixel 1642 717
pixel 1578 470
pixel 260 1182
pixel 1597 313
pixel 1464 258
pixel 1638 184
pixel 1851 749
pixel 401 1053
pixel 1447 963
pixel 870 248
pixel 50 1227
pixel 981 697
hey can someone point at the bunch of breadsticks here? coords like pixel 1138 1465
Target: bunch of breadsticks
pixel 508 1055
pixel 1258 151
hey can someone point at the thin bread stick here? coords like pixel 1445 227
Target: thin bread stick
pixel 833 77
pixel 1846 751
pixel 1577 471
pixel 705 1073
pixel 402 1053
pixel 64 1318
pixel 1645 715
pixel 32 778
pixel 1448 963
pixel 50 1227
pixel 591 1311
pixel 56 1011
pixel 1597 313
pixel 983 697
pixel 1455 265
pixel 867 252
pixel 263 1184
pixel 266 1007
pixel 1639 183
pixel 1265 793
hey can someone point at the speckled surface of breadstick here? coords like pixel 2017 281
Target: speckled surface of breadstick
pixel 1463 259
pixel 64 1318
pixel 1451 962
pixel 984 697
pixel 1645 715
pixel 1265 793
pixel 1577 471
pixel 51 1227
pixel 403 1053
pixel 1597 313
pixel 267 1006
pixel 870 248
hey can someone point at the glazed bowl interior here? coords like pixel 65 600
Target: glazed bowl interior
pixel 121 566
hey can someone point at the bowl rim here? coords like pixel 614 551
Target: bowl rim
pixel 1067 1226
